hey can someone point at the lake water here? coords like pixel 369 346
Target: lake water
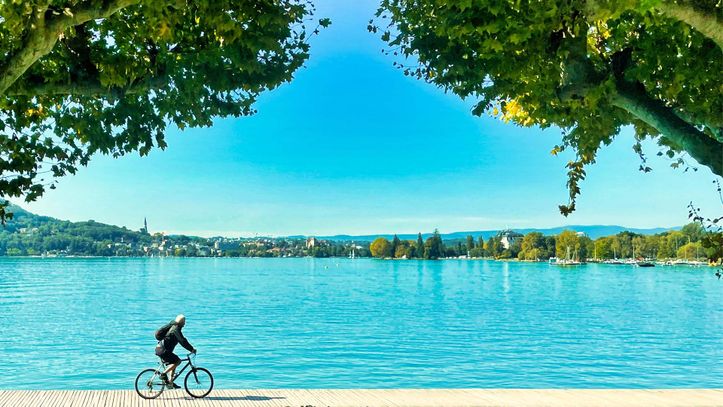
pixel 340 323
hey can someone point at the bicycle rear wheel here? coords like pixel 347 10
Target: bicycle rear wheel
pixel 198 382
pixel 149 384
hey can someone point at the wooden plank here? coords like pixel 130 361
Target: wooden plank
pixel 354 397
pixel 311 398
pixel 12 399
pixel 5 396
pixel 478 397
pixel 331 397
pixel 292 397
pixel 93 399
pixel 114 398
pixel 702 396
pixel 122 398
pixel 69 398
pixel 8 396
pixel 35 398
pixel 55 398
pixel 17 399
pixel 248 398
pixel 242 398
pixel 73 398
pixel 85 399
pixel 126 397
pixel 108 399
pixel 370 398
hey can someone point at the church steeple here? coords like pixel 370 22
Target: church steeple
pixel 145 226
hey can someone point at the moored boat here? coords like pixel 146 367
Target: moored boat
pixel 568 263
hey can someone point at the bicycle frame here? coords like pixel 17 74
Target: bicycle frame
pixel 162 366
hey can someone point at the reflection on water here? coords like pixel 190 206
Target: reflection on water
pixel 339 323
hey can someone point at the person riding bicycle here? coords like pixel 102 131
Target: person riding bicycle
pixel 164 349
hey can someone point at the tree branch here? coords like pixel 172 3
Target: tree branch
pixel 44 33
pixel 707 24
pixel 714 128
pixel 704 149
pixel 89 87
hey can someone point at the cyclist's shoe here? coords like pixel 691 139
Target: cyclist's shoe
pixel 172 386
pixel 164 377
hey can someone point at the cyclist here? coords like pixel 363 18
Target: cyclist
pixel 164 349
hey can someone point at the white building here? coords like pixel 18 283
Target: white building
pixel 508 238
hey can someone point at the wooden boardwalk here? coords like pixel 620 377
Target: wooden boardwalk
pixel 368 398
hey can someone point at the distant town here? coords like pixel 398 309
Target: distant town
pixel 28 234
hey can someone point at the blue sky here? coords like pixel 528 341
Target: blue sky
pixel 353 146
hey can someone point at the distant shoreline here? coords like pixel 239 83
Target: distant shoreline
pixel 340 257
pixel 40 237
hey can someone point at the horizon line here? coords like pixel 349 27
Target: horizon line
pixel 249 234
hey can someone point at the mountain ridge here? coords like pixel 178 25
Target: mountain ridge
pixel 593 231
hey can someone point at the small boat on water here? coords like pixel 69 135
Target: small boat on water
pixel 564 262
pixel 645 264
pixel 567 261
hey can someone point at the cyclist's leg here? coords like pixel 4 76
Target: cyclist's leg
pixel 170 371
pixel 173 361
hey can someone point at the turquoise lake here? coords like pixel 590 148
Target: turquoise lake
pixel 341 323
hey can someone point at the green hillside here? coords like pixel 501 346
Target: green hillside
pixel 30 234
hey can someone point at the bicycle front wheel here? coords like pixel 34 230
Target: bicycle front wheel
pixel 199 382
pixel 149 384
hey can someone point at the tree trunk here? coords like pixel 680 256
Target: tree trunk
pixel 704 149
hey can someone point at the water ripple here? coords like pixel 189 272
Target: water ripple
pixel 338 323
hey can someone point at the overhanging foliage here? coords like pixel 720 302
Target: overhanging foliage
pixel 108 76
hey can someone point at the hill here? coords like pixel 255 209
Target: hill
pixel 28 233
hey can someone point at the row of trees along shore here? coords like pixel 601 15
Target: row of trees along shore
pixel 690 242
pixel 34 235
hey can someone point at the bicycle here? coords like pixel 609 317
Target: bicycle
pixel 198 382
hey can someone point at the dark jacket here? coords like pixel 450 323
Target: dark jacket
pixel 173 338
